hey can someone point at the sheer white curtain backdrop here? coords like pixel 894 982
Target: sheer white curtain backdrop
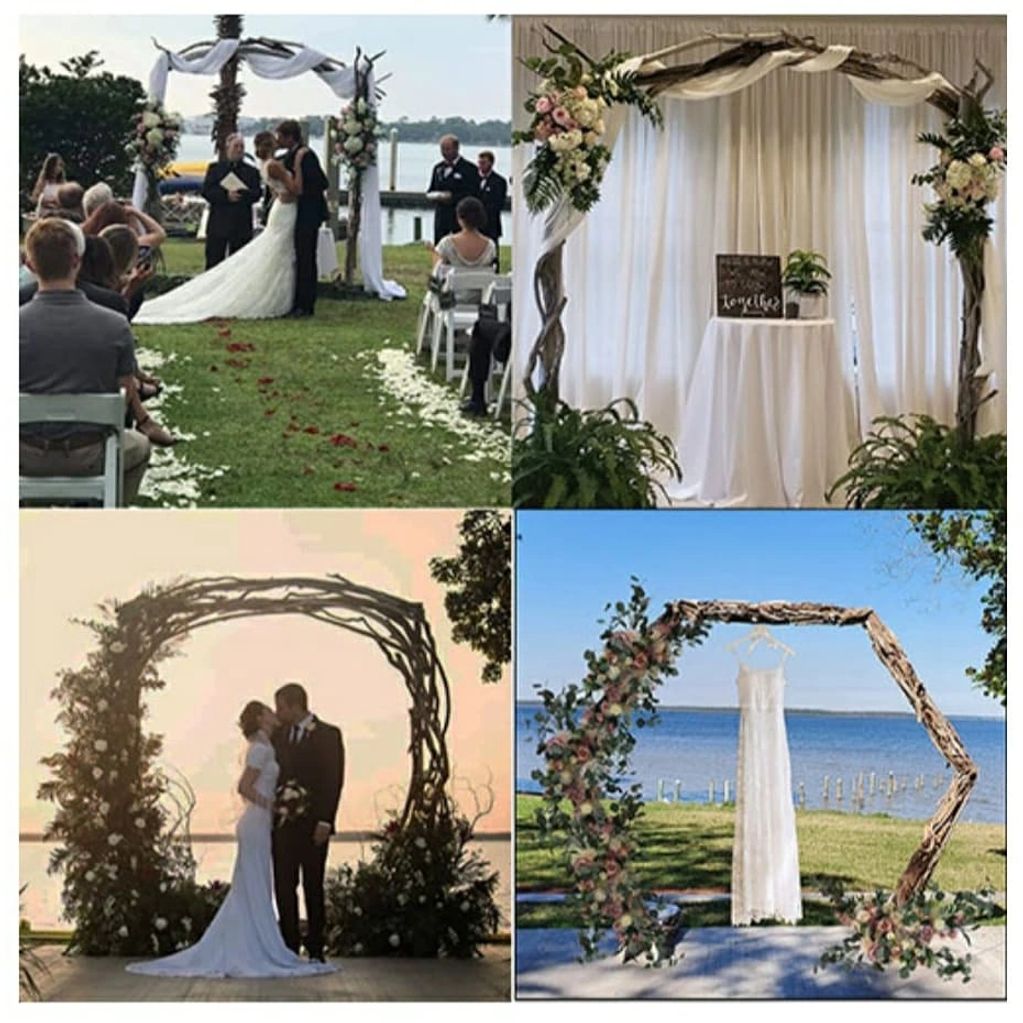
pixel 794 161
pixel 341 82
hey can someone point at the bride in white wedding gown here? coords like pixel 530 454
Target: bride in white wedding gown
pixel 255 283
pixel 243 939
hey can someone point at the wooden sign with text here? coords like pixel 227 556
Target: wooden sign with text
pixel 749 287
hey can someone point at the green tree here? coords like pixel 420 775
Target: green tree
pixel 976 541
pixel 478 580
pixel 81 112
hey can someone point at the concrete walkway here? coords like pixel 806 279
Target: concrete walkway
pixel 727 962
pixel 88 979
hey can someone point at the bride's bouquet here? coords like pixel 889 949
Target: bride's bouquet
pixel 357 136
pixel 291 803
pixel 154 143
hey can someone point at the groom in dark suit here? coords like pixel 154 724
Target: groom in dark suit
pixel 230 221
pixel 311 755
pixel 312 212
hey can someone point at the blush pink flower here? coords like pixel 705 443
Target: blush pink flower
pixel 544 105
pixel 997 154
pixel 562 117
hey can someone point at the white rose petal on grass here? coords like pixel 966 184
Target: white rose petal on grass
pixel 100 745
pixel 160 924
pixel 97 773
pixel 123 931
pixel 394 941
pixel 140 822
pixel 114 840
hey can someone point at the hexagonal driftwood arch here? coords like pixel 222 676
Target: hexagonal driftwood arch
pixel 890 653
pixel 151 621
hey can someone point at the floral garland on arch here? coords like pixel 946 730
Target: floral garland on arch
pixel 585 736
pixel 155 140
pixel 567 126
pixel 357 135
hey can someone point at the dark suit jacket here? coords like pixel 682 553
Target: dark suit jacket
pixel 317 763
pixel 231 219
pixel 312 203
pixel 493 192
pixel 460 179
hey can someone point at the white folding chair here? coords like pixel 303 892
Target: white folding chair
pixel 428 312
pixel 103 411
pixel 458 313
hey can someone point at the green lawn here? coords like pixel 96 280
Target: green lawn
pixel 690 848
pixel 294 413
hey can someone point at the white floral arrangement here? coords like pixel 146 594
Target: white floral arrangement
pixel 357 131
pixel 291 802
pixel 567 126
pixel 154 143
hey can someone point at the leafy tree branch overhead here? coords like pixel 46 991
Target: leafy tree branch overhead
pixel 478 580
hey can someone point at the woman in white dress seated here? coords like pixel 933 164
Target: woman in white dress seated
pixel 258 281
pixel 244 939
pixel 467 247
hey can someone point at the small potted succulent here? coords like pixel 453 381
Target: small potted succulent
pixel 806 278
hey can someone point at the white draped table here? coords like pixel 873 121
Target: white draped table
pixel 768 418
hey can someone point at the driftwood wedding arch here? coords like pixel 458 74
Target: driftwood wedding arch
pixel 399 628
pixel 742 51
pixel 890 653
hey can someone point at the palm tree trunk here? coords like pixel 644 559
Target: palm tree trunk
pixel 228 94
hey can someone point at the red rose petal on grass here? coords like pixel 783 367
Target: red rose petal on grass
pixel 224 332
pixel 342 440
pixel 214 369
pixel 384 447
pixel 345 486
pixel 353 424
pixel 265 381
pixel 311 429
pixel 292 427
pixel 308 471
pixel 241 346
pixel 269 411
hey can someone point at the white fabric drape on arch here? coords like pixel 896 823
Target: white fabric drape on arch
pixel 341 81
pixel 794 161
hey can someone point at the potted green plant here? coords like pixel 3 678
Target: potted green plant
pixel 806 278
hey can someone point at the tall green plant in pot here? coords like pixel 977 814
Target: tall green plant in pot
pixel 806 278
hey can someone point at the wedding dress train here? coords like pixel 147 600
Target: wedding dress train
pixel 243 940
pixel 255 283
pixel 765 856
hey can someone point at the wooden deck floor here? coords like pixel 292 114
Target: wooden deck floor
pixel 82 979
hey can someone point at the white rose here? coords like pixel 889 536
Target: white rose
pixel 140 822
pixel 357 948
pixel 361 105
pixel 353 145
pixel 104 808
pixel 420 842
pixel 97 773
pixel 90 875
pixel 351 126
pixel 154 137
pixel 100 745
pixel 117 647
pixel 978 160
pixel 958 174
pixel 160 923
pixel 114 840
pixel 123 931
pixel 102 705
pixel 464 907
pixel 394 941
pixel 582 172
pixel 150 120
pixel 186 923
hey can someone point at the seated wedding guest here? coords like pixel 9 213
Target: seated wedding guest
pixel 469 246
pixel 149 232
pixel 229 226
pixel 454 178
pixel 51 177
pixel 69 202
pixel 131 269
pixel 95 196
pixel 493 192
pixel 68 345
pixel 490 339
pixel 98 279
pixel 25 276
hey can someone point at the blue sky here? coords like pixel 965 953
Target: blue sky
pixel 442 65
pixel 569 564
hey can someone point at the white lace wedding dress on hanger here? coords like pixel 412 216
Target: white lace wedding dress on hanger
pixel 765 856
pixel 255 283
pixel 243 940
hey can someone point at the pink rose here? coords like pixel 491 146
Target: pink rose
pixel 926 933
pixel 544 130
pixel 997 154
pixel 544 105
pixel 583 754
pixel 562 116
pixel 641 661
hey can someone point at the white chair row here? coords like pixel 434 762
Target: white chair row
pixel 105 413
pixel 499 295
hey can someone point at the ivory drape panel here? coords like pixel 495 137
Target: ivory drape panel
pixel 794 161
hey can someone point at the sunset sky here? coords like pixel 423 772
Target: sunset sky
pixel 71 561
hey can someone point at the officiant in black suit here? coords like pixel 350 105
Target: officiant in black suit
pixel 312 212
pixel 311 754
pixel 457 176
pixel 493 192
pixel 230 221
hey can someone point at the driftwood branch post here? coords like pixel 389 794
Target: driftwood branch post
pixel 890 653
pixel 355 181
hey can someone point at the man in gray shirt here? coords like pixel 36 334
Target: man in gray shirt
pixel 69 345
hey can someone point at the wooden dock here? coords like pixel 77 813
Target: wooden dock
pixel 104 979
